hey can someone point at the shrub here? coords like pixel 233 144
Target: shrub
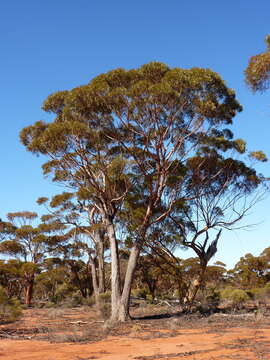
pixel 49 305
pixel 209 301
pixel 236 296
pixel 10 309
pixel 63 291
pixel 89 301
pixel 267 288
pixel 105 311
pixel 76 299
pixel 139 293
pixel 225 293
pixel 256 293
pixel 105 297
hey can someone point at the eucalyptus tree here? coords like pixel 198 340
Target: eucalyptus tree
pixel 126 139
pixel 230 189
pixel 10 277
pixel 87 232
pixel 29 242
pixel 257 72
pixel 83 158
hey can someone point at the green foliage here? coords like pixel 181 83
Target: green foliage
pixel 252 271
pixel 63 291
pixel 105 297
pixel 140 293
pixel 59 199
pixel 267 287
pixel 10 309
pixel 11 247
pixel 256 293
pixel 258 70
pixel 208 300
pixel 236 296
pixel 42 200
pixel 261 293
pixel 258 155
pixel 49 305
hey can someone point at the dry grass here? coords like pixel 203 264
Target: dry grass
pixel 85 325
pixel 53 314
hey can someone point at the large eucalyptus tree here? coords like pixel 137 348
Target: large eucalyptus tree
pixel 128 139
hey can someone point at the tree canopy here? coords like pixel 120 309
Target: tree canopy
pixel 258 70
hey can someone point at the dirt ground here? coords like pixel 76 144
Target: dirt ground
pixel 154 334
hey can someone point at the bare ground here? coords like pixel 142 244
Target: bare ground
pixel 155 333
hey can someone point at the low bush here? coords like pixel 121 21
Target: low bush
pixel 49 305
pixel 256 293
pixel 105 297
pixel 10 309
pixel 139 293
pixel 74 300
pixel 89 301
pixel 209 301
pixel 236 297
pixel 105 310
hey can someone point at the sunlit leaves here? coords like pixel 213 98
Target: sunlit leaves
pixel 258 70
pixel 258 155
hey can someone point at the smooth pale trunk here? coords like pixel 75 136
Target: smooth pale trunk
pixel 123 311
pixel 94 282
pixel 101 274
pixel 115 272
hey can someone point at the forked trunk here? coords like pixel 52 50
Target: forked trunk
pixel 123 310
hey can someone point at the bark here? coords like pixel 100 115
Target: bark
pixel 101 272
pixel 152 289
pixel 115 271
pixel 94 282
pixel 123 312
pixel 29 292
pixel 197 286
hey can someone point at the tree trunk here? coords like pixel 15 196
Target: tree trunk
pixel 115 271
pixel 101 272
pixel 94 282
pixel 123 311
pixel 197 285
pixel 152 288
pixel 29 292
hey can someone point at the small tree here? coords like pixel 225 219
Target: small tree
pixel 86 230
pixel 28 243
pixel 251 271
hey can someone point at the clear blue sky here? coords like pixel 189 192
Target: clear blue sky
pixel 54 45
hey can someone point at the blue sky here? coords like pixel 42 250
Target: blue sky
pixel 55 45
